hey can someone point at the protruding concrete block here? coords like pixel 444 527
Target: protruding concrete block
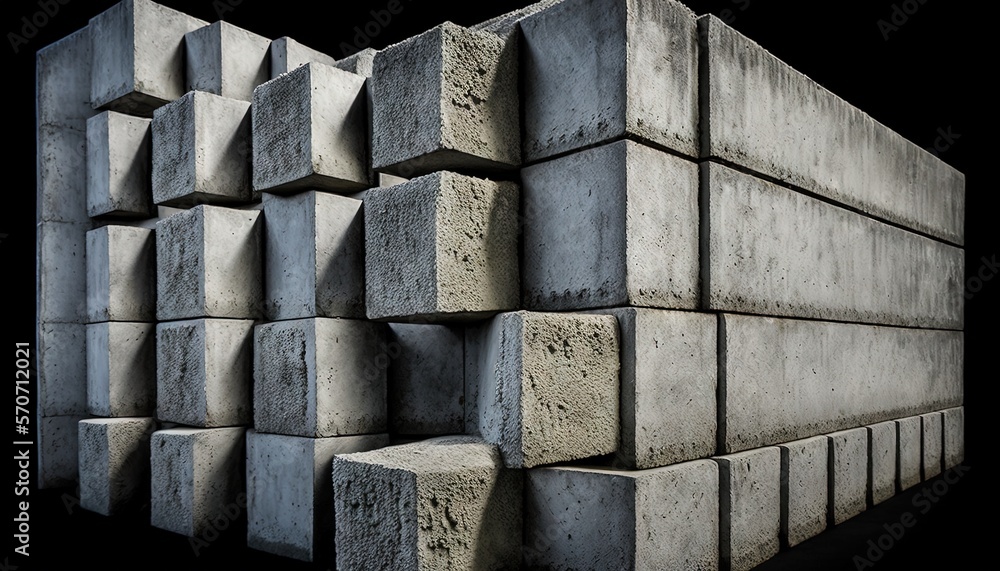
pixel 749 508
pixel 196 474
pixel 315 263
pixel 201 151
pixel 882 462
pixel 121 369
pixel 426 379
pixel 445 503
pixel 138 56
pixel 804 489
pixel 121 274
pixel 583 518
pixel 597 70
pixel 288 55
pixel 208 264
pixel 118 166
pixel 62 271
pixel 848 469
pixel 446 100
pixel 57 450
pixel 320 377
pixel 310 131
pixel 114 463
pixel 203 372
pixel 954 436
pixel 453 236
pixel 289 497
pixel 226 60
pixel 361 63
pixel 909 452
pixel 932 444
pixel 62 369
pixel 611 226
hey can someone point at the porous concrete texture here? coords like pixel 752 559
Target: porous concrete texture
pixel 121 274
pixel 121 369
pixel 954 436
pixel 288 54
pixel 762 115
pixel 882 461
pixel 446 99
pixel 804 492
pixel 426 379
pixel 118 166
pixel 787 379
pixel 361 63
pixel 463 509
pixel 848 470
pixel 226 60
pixel 62 271
pixel 909 452
pixel 595 71
pixel 315 259
pixel 598 518
pixel 931 444
pixel 453 236
pixel 204 372
pixel 58 447
pixel 773 251
pixel 201 151
pixel 208 264
pixel 310 131
pixel 320 377
pixel 289 496
pixel 114 463
pixel 610 226
pixel 62 369
pixel 749 508
pixel 197 473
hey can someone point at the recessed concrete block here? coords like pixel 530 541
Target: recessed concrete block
pixel 62 271
pixel 138 56
pixel 62 82
pixel 909 451
pixel 121 274
pixel 595 518
pixel 57 450
pixel 804 489
pixel 445 100
pixel 61 175
pixel 954 436
pixel 201 151
pixel 310 131
pixel 361 63
pixel 118 166
pixel 203 372
pixel 315 263
pixel 749 508
pixel 882 462
pixel 320 377
pixel 453 236
pixel 611 226
pixel 62 369
pixel 932 444
pixel 114 463
pixel 445 503
pixel 505 25
pixel 208 264
pixel 289 497
pixel 848 469
pixel 426 379
pixel 226 60
pixel 597 70
pixel 288 54
pixel 121 369
pixel 196 474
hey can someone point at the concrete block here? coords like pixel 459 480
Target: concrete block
pixel 121 274
pixel 763 115
pixel 882 462
pixel 203 372
pixel 848 470
pixel 208 264
pixel 749 508
pixel 62 369
pixel 138 56
pixel 804 489
pixel 461 507
pixel 426 379
pixel 954 436
pixel 62 82
pixel 611 226
pixel 361 63
pixel 289 497
pixel 453 236
pixel 310 131
pixel 288 54
pixel 932 444
pixel 57 450
pixel 201 151
pixel 121 369
pixel 196 474
pixel 595 518
pixel 771 250
pixel 62 271
pixel 119 151
pixel 114 463
pixel 445 100
pixel 909 452
pixel 320 377
pixel 226 60
pixel 61 175
pixel 545 386
pixel 505 25
pixel 315 263
pixel 598 70
pixel 787 379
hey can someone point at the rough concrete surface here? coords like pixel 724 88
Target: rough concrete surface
pixel 114 463
pixel 118 166
pixel 226 60
pixel 62 369
pixel 909 452
pixel 804 490
pixel 749 508
pixel 848 469
pixel 58 448
pixel 954 436
pixel 426 379
pixel 932 444
pixel 121 274
pixel 882 441
pixel 121 369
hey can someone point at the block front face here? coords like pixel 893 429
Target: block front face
pixel 62 369
pixel 804 488
pixel 954 436
pixel 226 60
pixel 882 462
pixel 908 451
pixel 121 369
pixel 121 274
pixel 114 463
pixel 426 383
pixel 62 271
pixel 118 159
pixel 848 473
pixel 932 444
pixel 57 451
pixel 750 507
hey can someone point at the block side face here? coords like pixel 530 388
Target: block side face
pixel 754 509
pixel 882 439
pixel 159 49
pixel 98 275
pixel 287 55
pixel 280 495
pixel 128 461
pixel 131 270
pixel 203 59
pixel 112 39
pixel 284 378
pixel 340 146
pixel 291 240
pixel 58 451
pixel 245 62
pixel 805 490
pixel 172 467
pixel 63 81
pixel 426 384
pixel 340 257
pixel 61 174
pixel 848 473
pixel 223 151
pixel 350 383
pixel 219 471
pixel 233 280
pixel 95 493
pixel 121 369
pixel 62 271
pixel 228 372
pixel 281 116
pixel 129 148
pixel 98 369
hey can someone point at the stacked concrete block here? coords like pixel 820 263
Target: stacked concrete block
pixel 426 379
pixel 882 442
pixel 121 369
pixel 932 444
pixel 361 63
pixel 121 274
pixel 804 489
pixel 848 469
pixel 226 60
pixel 118 166
pixel 954 436
pixel 749 508
pixel 58 450
pixel 909 452
pixel 287 54
pixel 114 463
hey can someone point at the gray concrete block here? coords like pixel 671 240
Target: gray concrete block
pixel 114 463
pixel 610 226
pixel 787 379
pixel 62 271
pixel 62 82
pixel 505 25
pixel 138 56
pixel 426 379
pixel 462 507
pixel 288 54
pixel 289 496
pixel 310 131
pixel 804 489
pixel 749 508
pixel 121 369
pixel 771 250
pixel 196 474
pixel 908 447
pixel 315 263
pixel 763 115
pixel 201 151
pixel 453 236
pixel 848 470
pixel 204 372
pixel 226 60
pixel 361 63
pixel 320 377
pixel 57 450
pixel 954 436
pixel 932 444
pixel 882 478
pixel 62 369
pixel 596 70
pixel 119 181
pixel 446 99
pixel 208 264
pixel 596 518
pixel 121 274
pixel 61 175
